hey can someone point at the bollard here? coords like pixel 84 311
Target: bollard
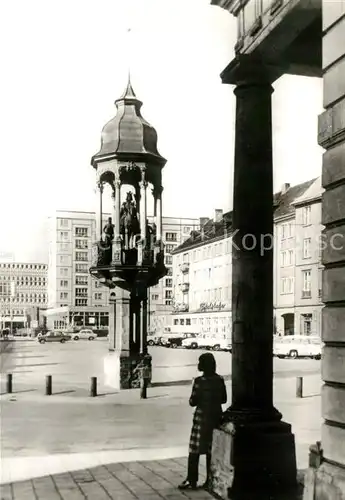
pixel 143 388
pixel 299 387
pixel 93 388
pixel 9 383
pixel 49 385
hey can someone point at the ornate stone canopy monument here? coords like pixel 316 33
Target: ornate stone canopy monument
pixel 128 253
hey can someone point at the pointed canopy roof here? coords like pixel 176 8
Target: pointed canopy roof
pixel 128 133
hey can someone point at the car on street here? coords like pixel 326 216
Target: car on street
pixel 297 346
pixel 206 342
pixel 53 336
pixel 85 334
pixel 154 340
pixel 175 340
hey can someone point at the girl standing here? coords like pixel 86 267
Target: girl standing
pixel 208 395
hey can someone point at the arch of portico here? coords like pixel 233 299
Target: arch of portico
pixel 275 37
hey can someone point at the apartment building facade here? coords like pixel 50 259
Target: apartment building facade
pixel 202 269
pixel 175 232
pixel 202 280
pixel 23 293
pixel 72 289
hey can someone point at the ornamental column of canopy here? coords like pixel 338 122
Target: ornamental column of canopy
pixel 143 206
pixel 99 214
pixel 158 212
pixel 263 449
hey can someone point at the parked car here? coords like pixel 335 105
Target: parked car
pixel 53 337
pixel 206 342
pixel 154 340
pixel 175 340
pixel 84 334
pixel 296 346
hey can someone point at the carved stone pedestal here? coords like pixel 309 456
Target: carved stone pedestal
pixel 129 378
pixel 254 461
pixel 327 481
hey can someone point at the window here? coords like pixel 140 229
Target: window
pixel 154 296
pixel 306 248
pixel 171 236
pixel 63 295
pixel 81 243
pixel 306 215
pixel 64 235
pixel 168 294
pixel 64 259
pixel 98 296
pixel 168 259
pixel 175 321
pixel 169 248
pixel 306 283
pixel 63 247
pixel 186 230
pixel 182 322
pixel 283 258
pixel 168 282
pixel 188 322
pixel 306 323
pixel 81 232
pixel 81 280
pixel 290 259
pixel 287 285
pixel 81 302
pixel 63 271
pixel 81 256
pixel 64 283
pixel 81 292
pixel 81 268
pixel 168 302
pixel 63 222
pixel 185 258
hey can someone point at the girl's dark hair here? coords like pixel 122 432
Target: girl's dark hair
pixel 207 363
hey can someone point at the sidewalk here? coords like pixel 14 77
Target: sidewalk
pixel 132 480
pixel 145 480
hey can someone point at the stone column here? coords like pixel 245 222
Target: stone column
pixel 261 448
pixel 99 213
pixel 326 477
pixel 159 191
pixel 143 315
pixel 117 208
pixel 116 251
pixel 143 205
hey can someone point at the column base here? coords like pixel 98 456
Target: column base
pixel 129 379
pixel 327 482
pixel 252 461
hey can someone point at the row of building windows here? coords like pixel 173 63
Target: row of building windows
pixel 25 298
pixel 203 321
pixel 287 284
pixel 34 267
pixel 13 312
pixel 80 293
pixel 206 252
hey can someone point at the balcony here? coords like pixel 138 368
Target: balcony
pixel 184 287
pixel 184 267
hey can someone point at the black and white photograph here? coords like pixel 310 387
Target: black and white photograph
pixel 172 250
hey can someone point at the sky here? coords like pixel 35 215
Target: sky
pixel 65 63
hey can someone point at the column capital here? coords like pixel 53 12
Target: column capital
pixel 100 186
pixel 143 172
pixel 246 70
pixel 143 184
pixel 117 183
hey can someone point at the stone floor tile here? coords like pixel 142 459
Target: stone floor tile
pixel 6 492
pixel 45 488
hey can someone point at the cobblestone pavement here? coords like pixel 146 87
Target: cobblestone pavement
pixel 151 480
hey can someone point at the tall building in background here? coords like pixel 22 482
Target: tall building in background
pixel 69 283
pixel 23 293
pixel 202 268
pixel 175 231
